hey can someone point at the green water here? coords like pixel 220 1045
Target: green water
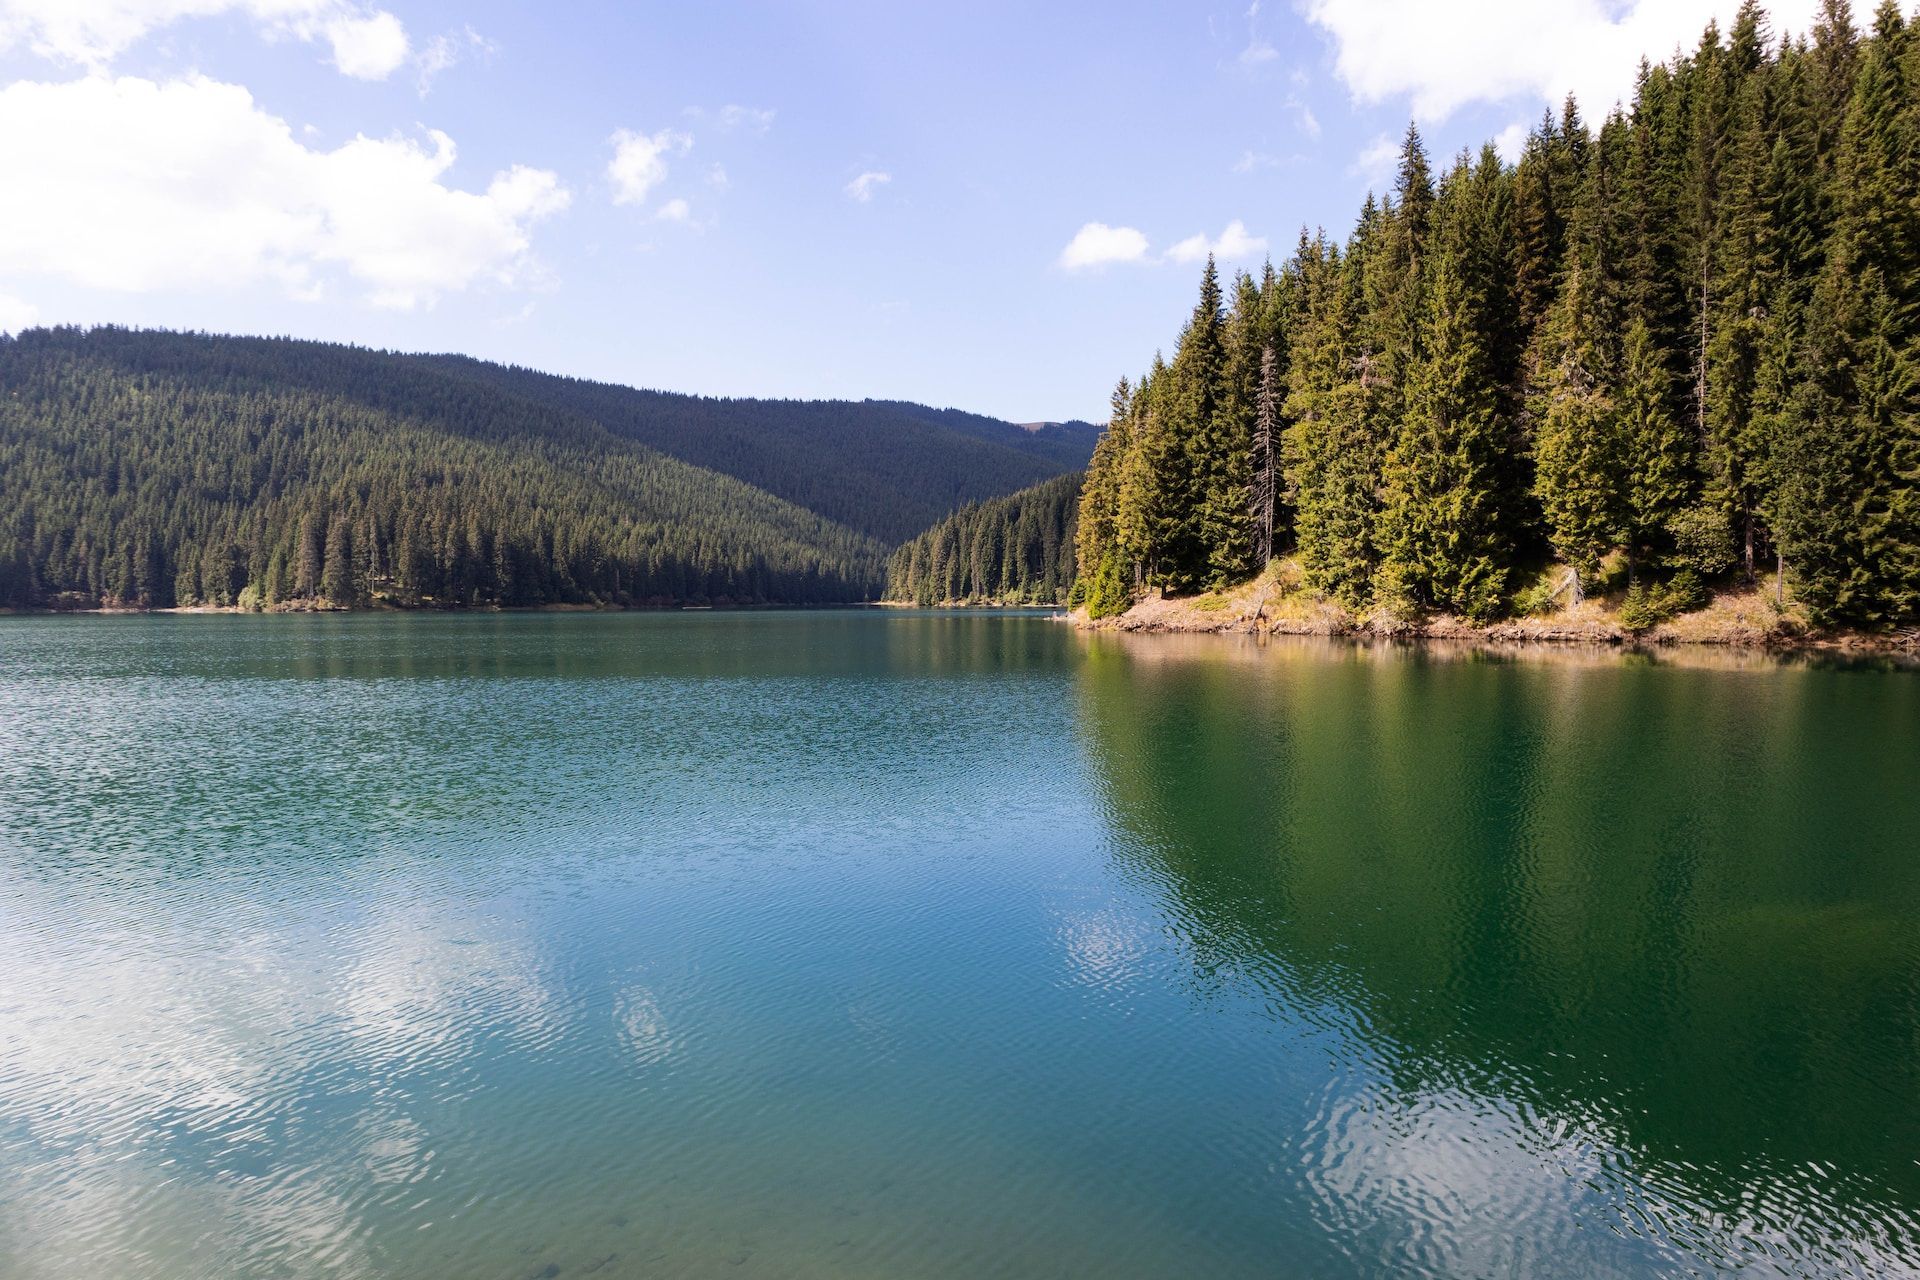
pixel 896 945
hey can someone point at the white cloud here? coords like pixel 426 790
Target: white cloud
pixel 639 162
pixel 16 314
pixel 717 177
pixel 1444 56
pixel 134 186
pixel 1234 245
pixel 444 52
pixel 1377 162
pixel 1511 142
pixel 367 43
pixel 863 187
pixel 675 210
pixel 366 46
pixel 1097 245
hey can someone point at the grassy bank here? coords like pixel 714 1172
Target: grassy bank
pixel 1279 603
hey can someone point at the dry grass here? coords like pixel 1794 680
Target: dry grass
pixel 1734 617
pixel 1279 602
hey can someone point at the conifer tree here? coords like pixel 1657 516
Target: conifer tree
pixel 1578 451
pixel 336 574
pixel 1442 536
pixel 1657 471
pixel 1223 523
pixel 1333 456
pixel 1265 456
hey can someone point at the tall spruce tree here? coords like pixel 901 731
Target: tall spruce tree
pixel 1442 529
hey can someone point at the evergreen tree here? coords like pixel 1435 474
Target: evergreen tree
pixel 1657 459
pixel 1265 456
pixel 1443 537
pixel 336 574
pixel 1578 451
pixel 1334 460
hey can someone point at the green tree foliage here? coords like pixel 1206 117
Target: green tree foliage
pixel 1691 337
pixel 157 469
pixel 882 468
pixel 1013 550
pixel 1445 545
pixel 1333 458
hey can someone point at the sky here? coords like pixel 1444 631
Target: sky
pixel 992 206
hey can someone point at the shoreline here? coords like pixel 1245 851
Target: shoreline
pixel 307 610
pixel 1732 621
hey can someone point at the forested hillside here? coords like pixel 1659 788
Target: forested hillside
pixel 1012 550
pixel 155 469
pixel 1682 348
pixel 886 469
pixel 160 469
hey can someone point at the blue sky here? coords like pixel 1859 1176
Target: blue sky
pixel 988 205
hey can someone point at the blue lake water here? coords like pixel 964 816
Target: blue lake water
pixel 900 944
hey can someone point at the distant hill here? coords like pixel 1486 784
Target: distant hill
pixel 885 468
pixel 1012 550
pixel 1068 443
pixel 149 468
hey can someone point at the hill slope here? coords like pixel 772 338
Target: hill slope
pixel 882 468
pixel 159 469
pixel 1012 550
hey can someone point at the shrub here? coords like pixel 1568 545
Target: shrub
pixel 1649 605
pixel 1703 541
pixel 1108 595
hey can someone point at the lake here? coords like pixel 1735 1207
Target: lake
pixel 896 944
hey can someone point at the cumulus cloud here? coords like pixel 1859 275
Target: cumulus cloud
pixel 639 162
pixel 132 185
pixel 366 46
pixel 1443 57
pixel 368 43
pixel 1233 245
pixel 1097 245
pixel 675 210
pixel 863 187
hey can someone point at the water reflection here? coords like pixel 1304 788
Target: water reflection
pixel 940 945
pixel 1622 954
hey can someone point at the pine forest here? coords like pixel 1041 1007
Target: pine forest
pixel 1673 354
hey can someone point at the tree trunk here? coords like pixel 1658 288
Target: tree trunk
pixel 1751 578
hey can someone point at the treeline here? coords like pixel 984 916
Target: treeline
pixel 156 469
pixel 1684 346
pixel 1012 550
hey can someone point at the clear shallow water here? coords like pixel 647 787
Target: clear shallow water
pixel 889 944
